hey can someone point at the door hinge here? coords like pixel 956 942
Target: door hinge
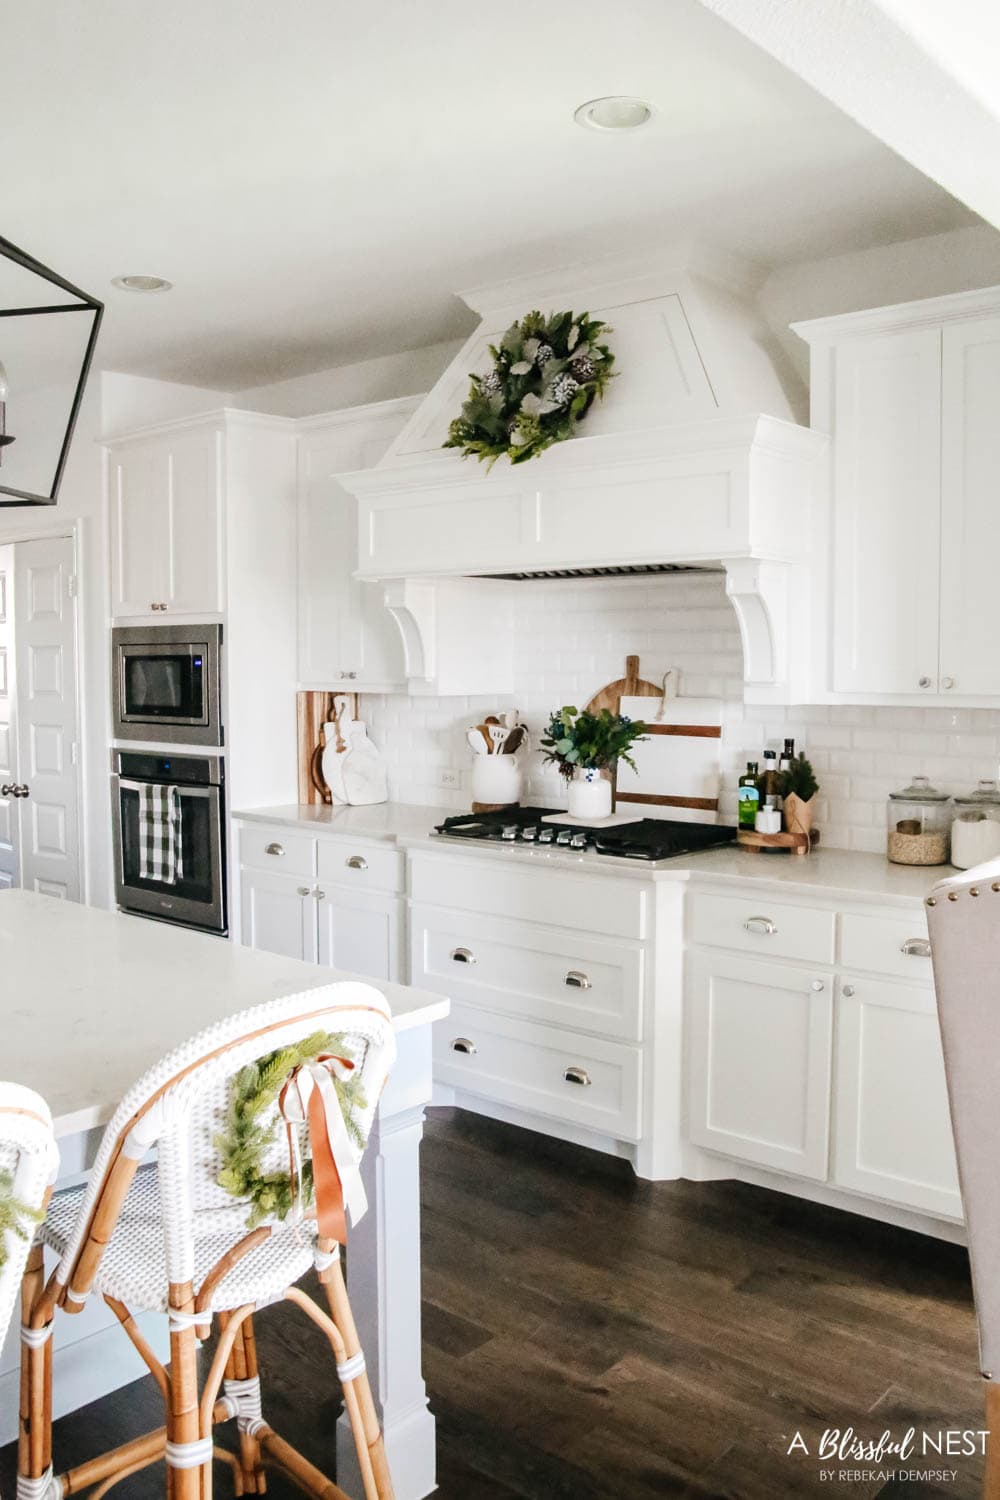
pixel 71 585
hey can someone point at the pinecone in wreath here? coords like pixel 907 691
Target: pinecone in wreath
pixel 543 355
pixel 564 389
pixel 583 368
pixel 491 384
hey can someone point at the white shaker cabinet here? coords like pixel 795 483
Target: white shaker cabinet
pixel 347 638
pixel 970 484
pixel 166 524
pixel 360 931
pixel 893 1134
pixel 910 394
pixel 278 914
pixel 759 1058
pixel 887 513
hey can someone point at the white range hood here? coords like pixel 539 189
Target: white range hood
pixel 693 459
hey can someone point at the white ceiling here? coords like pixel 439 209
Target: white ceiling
pixel 317 177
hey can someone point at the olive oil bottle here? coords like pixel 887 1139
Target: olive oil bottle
pixel 748 796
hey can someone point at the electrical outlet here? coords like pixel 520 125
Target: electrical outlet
pixel 450 778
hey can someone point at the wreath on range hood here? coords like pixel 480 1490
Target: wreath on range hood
pixel 545 376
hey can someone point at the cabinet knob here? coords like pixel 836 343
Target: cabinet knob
pixel 916 948
pixel 947 683
pixel 275 849
pixel 578 980
pixel 924 682
pixel 463 1044
pixel 304 890
pixel 349 675
pixel 320 895
pixel 463 955
pixel 848 990
pixel 356 862
pixel 818 985
pixel 579 1076
pixel 760 924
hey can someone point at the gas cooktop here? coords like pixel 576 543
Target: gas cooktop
pixel 646 838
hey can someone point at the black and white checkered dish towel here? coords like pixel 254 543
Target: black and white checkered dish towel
pixel 160 856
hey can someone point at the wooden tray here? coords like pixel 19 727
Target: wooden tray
pixel 789 843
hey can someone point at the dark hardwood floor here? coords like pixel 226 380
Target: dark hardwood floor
pixel 592 1337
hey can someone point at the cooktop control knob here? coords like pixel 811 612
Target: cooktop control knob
pixel 509 831
pixel 529 834
pixel 546 836
pixel 563 836
pixel 578 841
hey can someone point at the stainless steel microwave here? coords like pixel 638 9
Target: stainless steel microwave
pixel 167 683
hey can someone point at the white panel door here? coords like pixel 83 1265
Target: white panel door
pixel 193 583
pixel 278 914
pixel 970 497
pixel 360 932
pixel 10 844
pixel 893 1134
pixel 46 675
pixel 139 529
pixel 760 1059
pixel 887 513
pixel 346 634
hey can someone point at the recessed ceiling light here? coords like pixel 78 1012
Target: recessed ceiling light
pixel 142 283
pixel 615 112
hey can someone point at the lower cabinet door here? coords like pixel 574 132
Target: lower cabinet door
pixel 892 1135
pixel 360 932
pixel 760 1040
pixel 278 914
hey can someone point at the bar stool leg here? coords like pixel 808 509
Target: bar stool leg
pixel 34 1446
pixel 183 1417
pixel 243 1366
pixel 367 1433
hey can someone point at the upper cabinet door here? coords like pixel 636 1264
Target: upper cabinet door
pixel 347 638
pixel 166 521
pixel 139 529
pixel 194 523
pixel 970 487
pixel 887 454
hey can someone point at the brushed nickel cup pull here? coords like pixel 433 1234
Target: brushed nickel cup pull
pixel 577 980
pixel 276 849
pixel 463 1044
pixel 760 924
pixel 463 955
pixel 916 948
pixel 579 1076
pixel 356 862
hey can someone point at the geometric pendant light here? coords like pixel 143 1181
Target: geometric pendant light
pixel 48 332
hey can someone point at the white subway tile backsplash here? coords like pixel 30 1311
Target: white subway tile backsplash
pixel 573 636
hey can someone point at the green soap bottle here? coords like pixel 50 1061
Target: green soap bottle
pixel 748 797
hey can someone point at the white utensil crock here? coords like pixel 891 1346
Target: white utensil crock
pixel 589 794
pixel 496 778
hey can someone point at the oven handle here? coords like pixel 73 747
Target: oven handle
pixel 182 790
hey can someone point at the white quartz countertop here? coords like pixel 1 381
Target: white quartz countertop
pixel 838 872
pixel 91 998
pixel 384 820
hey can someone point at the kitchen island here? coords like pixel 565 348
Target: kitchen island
pixel 91 999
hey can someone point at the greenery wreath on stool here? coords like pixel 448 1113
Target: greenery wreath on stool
pixel 545 376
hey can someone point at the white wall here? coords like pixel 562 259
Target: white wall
pixel 407 374
pixel 572 637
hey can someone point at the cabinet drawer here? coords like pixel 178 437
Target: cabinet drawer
pixel 887 945
pixel 512 888
pixel 361 866
pixel 265 847
pixel 524 970
pixel 770 929
pixel 534 1067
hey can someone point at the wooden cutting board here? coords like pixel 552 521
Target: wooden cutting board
pixel 680 764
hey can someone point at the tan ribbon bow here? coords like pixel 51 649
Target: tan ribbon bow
pixel 310 1097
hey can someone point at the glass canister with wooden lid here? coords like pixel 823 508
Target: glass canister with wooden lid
pixel 919 825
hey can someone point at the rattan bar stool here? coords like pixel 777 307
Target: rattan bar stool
pixel 963 915
pixel 292 1087
pixel 28 1164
